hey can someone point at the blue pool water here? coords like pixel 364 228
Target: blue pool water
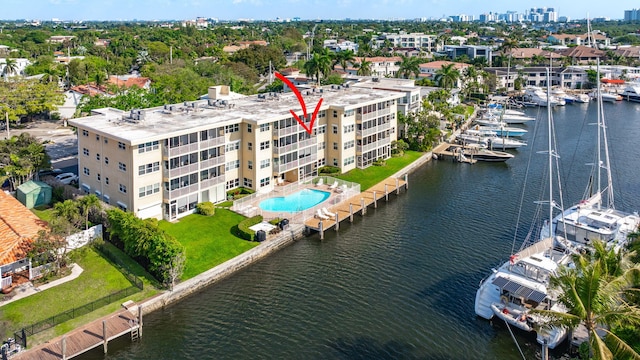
pixel 298 201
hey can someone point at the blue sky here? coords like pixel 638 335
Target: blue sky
pixel 305 9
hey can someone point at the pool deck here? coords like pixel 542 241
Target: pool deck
pixel 356 204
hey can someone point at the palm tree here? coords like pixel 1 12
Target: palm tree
pixel 344 58
pixel 364 67
pixel 447 76
pixel 319 63
pixel 409 65
pixel 594 293
pixel 89 203
pixel 10 67
pixel 67 217
pixel 538 59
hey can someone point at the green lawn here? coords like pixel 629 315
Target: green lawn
pixel 44 213
pixel 208 240
pixel 98 279
pixel 375 174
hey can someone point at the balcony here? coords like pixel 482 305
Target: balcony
pixel 217 141
pixel 180 150
pixel 211 162
pixel 281 168
pixel 279 150
pixel 183 170
pixel 367 116
pixel 180 192
pixel 278 133
pixel 212 182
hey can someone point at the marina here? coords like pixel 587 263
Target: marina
pixel 398 282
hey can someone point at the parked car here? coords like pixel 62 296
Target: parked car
pixel 67 178
pixel 49 172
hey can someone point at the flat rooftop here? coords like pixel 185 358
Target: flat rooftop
pixel 156 123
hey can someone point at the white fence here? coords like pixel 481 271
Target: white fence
pixel 84 237
pixel 38 271
pixel 6 282
pixel 248 205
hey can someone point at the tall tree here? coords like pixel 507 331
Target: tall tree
pixel 409 65
pixel 364 67
pixel 89 203
pixel 10 68
pixel 594 292
pixel 20 159
pixel 447 76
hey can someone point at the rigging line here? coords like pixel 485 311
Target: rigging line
pixel 522 194
pixel 515 341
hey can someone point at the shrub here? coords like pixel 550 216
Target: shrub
pixel 379 162
pixel 274 221
pixel 206 208
pixel 329 169
pixel 243 227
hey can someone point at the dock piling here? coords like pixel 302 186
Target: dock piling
pixel 337 221
pixel 397 186
pixel 321 230
pixel 64 347
pixel 375 200
pixel 139 320
pixel 350 212
pixel 364 208
pixel 386 193
pixel 406 181
pixel 104 335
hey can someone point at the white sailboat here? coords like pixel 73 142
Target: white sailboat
pixel 595 217
pixel 522 283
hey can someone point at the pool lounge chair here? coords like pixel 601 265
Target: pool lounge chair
pixel 321 216
pixel 328 213
pixel 334 185
pixel 320 182
pixel 342 188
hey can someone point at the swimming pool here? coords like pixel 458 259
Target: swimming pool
pixel 298 201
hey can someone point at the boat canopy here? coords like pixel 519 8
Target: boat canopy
pixel 518 290
pixel 612 81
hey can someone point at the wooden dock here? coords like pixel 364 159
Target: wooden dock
pixel 357 204
pixel 453 152
pixel 90 336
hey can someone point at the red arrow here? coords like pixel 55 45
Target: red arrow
pixel 302 104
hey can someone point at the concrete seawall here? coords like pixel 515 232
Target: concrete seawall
pixel 201 281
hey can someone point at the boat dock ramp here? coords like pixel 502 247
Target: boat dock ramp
pixel 356 204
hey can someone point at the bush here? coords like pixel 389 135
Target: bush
pixel 206 208
pixel 329 170
pixel 379 162
pixel 243 227
pixel 275 221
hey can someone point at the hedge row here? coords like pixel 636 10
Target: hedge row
pixel 243 227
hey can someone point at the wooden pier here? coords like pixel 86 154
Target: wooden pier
pixel 453 152
pixel 357 204
pixel 90 336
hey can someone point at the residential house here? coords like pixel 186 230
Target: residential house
pixel 4 50
pixel 340 45
pixel 567 77
pixel 429 70
pixel 578 39
pixel 583 54
pixel 161 162
pixel 526 54
pixel 472 52
pixel 631 53
pixel 19 227
pixel 129 81
pixel 421 41
pixel 21 64
pixel 102 42
pixel 232 49
pixel 59 39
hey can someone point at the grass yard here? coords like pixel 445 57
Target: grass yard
pixel 99 279
pixel 208 240
pixel 375 174
pixel 44 213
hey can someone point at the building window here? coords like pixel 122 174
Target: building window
pixel 335 146
pixel 247 183
pixel 228 129
pixel 250 165
pixel 150 146
pixel 122 206
pixel 97 137
pixel 321 162
pixel 149 168
pixel 322 145
pixel 232 184
pixel 248 127
pixel 232 146
pixel 264 127
pixel 85 151
pixel 106 180
pixel 350 160
pixel 122 166
pixel 349 144
pixel 86 171
pixel 264 145
pixel 264 182
pixel 121 145
pixel 98 157
pixel 123 189
pixel 106 160
pixel 149 190
pixel 250 146
pixel 335 162
pixel 106 141
pixel 106 198
pixel 98 177
pixel 335 129
pixel 232 165
pixel 265 163
pixel 335 114
pixel 85 133
pixel 349 128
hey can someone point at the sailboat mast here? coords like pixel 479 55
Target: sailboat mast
pixel 550 147
pixel 599 124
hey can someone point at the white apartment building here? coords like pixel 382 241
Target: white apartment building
pixel 161 162
pixel 416 40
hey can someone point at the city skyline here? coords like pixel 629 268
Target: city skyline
pixel 67 10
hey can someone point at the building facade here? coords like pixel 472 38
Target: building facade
pixel 161 162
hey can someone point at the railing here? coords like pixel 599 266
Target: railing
pixel 182 170
pixel 279 150
pixel 217 141
pixel 38 271
pixel 211 162
pixel 179 192
pixel 280 168
pixel 287 131
pixel 367 116
pixel 77 311
pixel 179 150
pixel 212 182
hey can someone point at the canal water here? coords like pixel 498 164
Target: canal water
pixel 398 283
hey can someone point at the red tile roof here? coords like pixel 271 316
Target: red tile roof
pixel 140 82
pixel 440 63
pixel 18 228
pixel 90 89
